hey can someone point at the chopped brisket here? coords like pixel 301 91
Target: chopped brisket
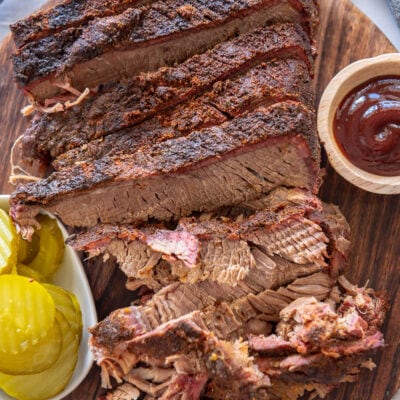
pixel 228 312
pixel 190 350
pixel 327 216
pixel 315 344
pixel 271 82
pixel 144 39
pixel 226 165
pixel 147 286
pixel 185 387
pixel 127 103
pixel 190 257
pixel 126 391
pixel 283 197
pixel 293 237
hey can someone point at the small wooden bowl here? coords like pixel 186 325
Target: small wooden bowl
pixel 344 82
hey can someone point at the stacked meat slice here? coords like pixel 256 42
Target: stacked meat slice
pixel 237 104
pixel 292 227
pixel 180 137
pixel 108 44
pixel 117 106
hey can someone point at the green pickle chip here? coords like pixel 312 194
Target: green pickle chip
pixel 35 358
pixel 8 244
pixel 27 250
pixel 27 313
pixel 51 381
pixel 40 323
pixel 51 247
pixel 67 303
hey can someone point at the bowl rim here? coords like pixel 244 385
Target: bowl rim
pixel 79 282
pixel 341 84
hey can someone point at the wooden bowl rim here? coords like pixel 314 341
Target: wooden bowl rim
pixel 346 80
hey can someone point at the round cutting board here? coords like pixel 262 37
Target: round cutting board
pixel 345 35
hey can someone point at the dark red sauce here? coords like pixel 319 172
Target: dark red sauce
pixel 367 126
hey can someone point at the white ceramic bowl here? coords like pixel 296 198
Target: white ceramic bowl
pixel 72 277
pixel 344 82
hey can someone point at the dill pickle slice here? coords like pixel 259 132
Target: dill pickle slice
pixel 35 358
pixel 26 312
pixel 68 304
pixel 78 311
pixel 51 247
pixel 52 380
pixel 24 270
pixel 8 244
pixel 27 251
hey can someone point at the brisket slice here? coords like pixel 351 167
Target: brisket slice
pixel 143 39
pixel 226 165
pixel 183 354
pixel 217 247
pixel 121 105
pixel 66 14
pixel 265 84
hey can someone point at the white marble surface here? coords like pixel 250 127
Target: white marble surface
pixel 13 10
pixel 379 12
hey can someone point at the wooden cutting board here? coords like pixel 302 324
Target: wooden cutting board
pixel 345 35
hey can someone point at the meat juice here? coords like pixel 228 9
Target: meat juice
pixel 367 126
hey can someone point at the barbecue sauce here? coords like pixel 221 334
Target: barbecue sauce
pixel 367 126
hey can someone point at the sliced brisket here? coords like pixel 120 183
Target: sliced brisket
pixel 221 248
pixel 199 174
pixel 130 102
pixel 144 39
pixel 271 82
pixel 66 14
pixel 226 165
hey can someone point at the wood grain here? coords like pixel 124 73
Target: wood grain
pixel 345 35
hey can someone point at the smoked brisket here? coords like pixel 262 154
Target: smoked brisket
pixel 66 14
pixel 229 312
pixel 238 161
pixel 312 348
pixel 181 135
pixel 220 248
pixel 144 39
pixel 118 106
pixel 184 348
pixel 315 343
pixel 265 84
